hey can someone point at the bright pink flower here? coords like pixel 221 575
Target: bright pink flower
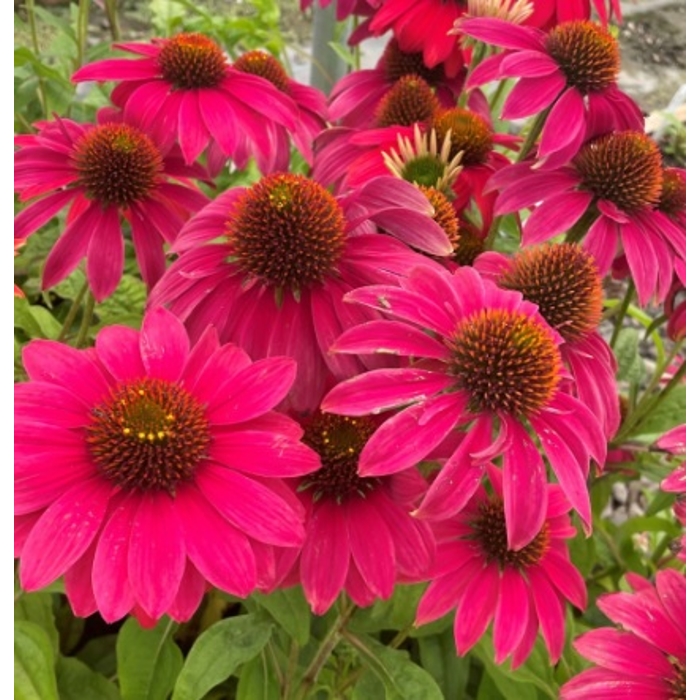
pixel 644 656
pixel 146 470
pixel 569 74
pixel 106 172
pixel 484 359
pixel 360 537
pixel 674 441
pixel 564 283
pixel 290 252
pixel 484 578
pixel 19 242
pixel 356 97
pixel 612 185
pixel 184 90
pixel 548 13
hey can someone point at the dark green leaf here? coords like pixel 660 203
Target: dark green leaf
pixel 668 414
pixel 439 657
pixel 34 663
pixel 630 367
pixel 219 652
pixel 148 661
pixel 100 654
pixel 76 681
pixel 289 607
pixel 257 681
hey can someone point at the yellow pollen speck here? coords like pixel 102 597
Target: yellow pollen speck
pixel 351 450
pixel 142 392
pixel 142 436
pixel 151 437
pixel 126 431
pixel 170 417
pixel 161 434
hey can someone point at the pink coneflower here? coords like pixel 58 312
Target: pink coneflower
pixel 548 13
pixel 674 442
pixel 106 172
pixel 644 656
pixel 360 537
pixel 290 252
pixel 184 90
pixel 568 74
pixel 612 185
pixel 522 590
pixel 19 242
pixel 355 98
pixel 564 283
pixel 483 358
pixel 146 469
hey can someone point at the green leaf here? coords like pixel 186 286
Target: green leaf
pixel 34 663
pixel 218 652
pixel 439 657
pixel 148 661
pixel 100 654
pixel 38 608
pixel 397 613
pixel 290 608
pixel 257 681
pixel 668 414
pixel 368 686
pixel 76 681
pixel 630 366
pixel 406 680
pixel 125 306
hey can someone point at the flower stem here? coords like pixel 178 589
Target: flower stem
pixel 324 651
pixel 113 18
pixel 533 134
pixel 85 323
pixel 83 21
pixel 72 312
pixel 580 228
pixel 621 313
pixel 31 18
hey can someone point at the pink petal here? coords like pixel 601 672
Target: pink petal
pixel 564 123
pixel 37 214
pixel 565 577
pixel 501 33
pixel 79 586
pixel 511 617
pixel 188 598
pixel 445 592
pixel 105 255
pixel 118 349
pixel 476 608
pixel 601 243
pixel 527 64
pixel 555 215
pixel 532 95
pixel 164 344
pixel 194 135
pixel 117 69
pixel 602 684
pixel 550 611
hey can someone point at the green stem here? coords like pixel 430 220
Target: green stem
pixel 83 22
pixel 580 228
pixel 324 651
pixel 72 312
pixel 85 323
pixel 622 312
pixel 113 19
pixel 497 94
pixel 31 18
pixel 533 135
pixel 288 680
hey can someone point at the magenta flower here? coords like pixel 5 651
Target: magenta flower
pixel 184 90
pixel 644 656
pixel 355 98
pixel 483 358
pixel 548 13
pixel 269 266
pixel 569 74
pixel 484 578
pixel 130 456
pixel 563 281
pixel 360 537
pixel 613 186
pixel 674 442
pixel 106 172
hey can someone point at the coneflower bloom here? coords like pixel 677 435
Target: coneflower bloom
pixel 269 266
pixel 484 359
pixel 569 74
pixel 184 90
pixel 361 537
pixel 644 656
pixel 355 98
pixel 548 13
pixel 146 469
pixel 674 442
pixel 564 283
pixel 612 185
pixel 485 579
pixel 106 172
pixel 19 242
pixel 310 102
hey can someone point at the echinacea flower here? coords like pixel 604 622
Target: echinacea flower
pixel 548 13
pixel 269 265
pixel 361 536
pixel 146 469
pixel 355 98
pixel 483 359
pixel 521 590
pixel 569 75
pixel 183 89
pixel 106 172
pixel 644 656
pixel 564 283
pixel 607 194
pixel 674 442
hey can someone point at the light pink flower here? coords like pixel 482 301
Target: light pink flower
pixel 106 172
pixel 184 90
pixel 269 265
pixel 644 656
pixel 361 537
pixel 568 74
pixel 484 362
pixel 146 469
pixel 485 579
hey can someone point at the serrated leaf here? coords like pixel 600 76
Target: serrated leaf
pixel 257 681
pixel 148 661
pixel 219 652
pixel 125 306
pixel 289 607
pixel 34 663
pixel 38 608
pixel 630 366
pixel 76 681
